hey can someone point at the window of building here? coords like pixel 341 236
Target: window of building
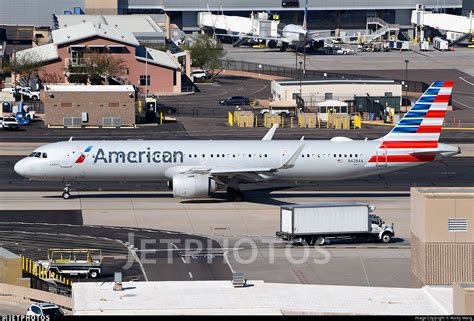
pixel 66 104
pixel 145 80
pixel 114 104
pixel 388 94
pixel 328 96
pixel 117 49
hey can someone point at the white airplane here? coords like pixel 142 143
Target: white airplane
pixel 292 35
pixel 195 168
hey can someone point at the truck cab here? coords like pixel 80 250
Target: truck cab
pixel 385 232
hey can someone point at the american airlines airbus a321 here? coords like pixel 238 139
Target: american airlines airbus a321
pixel 194 169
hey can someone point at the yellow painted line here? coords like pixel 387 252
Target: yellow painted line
pixel 392 125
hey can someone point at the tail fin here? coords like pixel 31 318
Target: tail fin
pixel 423 122
pixel 305 17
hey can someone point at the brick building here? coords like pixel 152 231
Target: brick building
pixel 149 69
pixel 89 105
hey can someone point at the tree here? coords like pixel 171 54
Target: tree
pixel 206 53
pixel 97 67
pixel 24 64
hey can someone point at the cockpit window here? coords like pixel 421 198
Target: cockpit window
pixel 39 155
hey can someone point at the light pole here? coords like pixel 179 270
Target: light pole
pixel 146 73
pixel 406 81
pixel 301 77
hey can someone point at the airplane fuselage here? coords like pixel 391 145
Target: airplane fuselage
pixel 75 161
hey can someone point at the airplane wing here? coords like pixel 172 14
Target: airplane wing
pixel 270 133
pixel 254 37
pixel 246 174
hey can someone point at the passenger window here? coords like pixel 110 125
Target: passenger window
pixel 340 155
pixel 350 155
pixel 250 155
pixel 195 156
pixel 203 155
pixel 223 155
pixel 345 155
pixel 212 155
pixel 233 155
pixel 302 155
pixel 265 155
pixel 335 155
pixel 319 155
pixel 217 155
pixel 307 155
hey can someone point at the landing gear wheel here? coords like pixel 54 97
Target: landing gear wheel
pixel 320 240
pixel 66 195
pixel 94 274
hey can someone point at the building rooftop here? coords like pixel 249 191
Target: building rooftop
pixel 220 297
pixel 88 30
pixel 336 81
pixel 132 23
pixel 158 57
pixel 43 53
pixel 89 88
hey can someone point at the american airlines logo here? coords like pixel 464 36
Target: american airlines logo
pixel 141 156
pixel 83 155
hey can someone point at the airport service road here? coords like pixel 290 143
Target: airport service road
pixel 255 218
pixel 242 235
pixel 334 266
pixel 455 171
pixel 140 254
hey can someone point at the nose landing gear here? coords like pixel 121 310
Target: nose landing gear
pixel 67 192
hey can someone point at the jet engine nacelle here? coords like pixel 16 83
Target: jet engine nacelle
pixel 191 185
pixel 272 44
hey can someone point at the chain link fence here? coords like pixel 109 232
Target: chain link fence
pixel 288 72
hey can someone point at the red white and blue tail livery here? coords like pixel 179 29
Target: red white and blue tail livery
pixel 415 139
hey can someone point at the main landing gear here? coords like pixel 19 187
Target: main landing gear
pixel 235 195
pixel 67 192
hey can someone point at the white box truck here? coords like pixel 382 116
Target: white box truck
pixel 314 223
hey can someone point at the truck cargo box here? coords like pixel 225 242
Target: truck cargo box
pixel 328 218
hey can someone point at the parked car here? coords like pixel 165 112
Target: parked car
pixel 275 112
pixel 9 123
pixel 30 94
pixel 200 74
pixel 235 100
pixel 45 309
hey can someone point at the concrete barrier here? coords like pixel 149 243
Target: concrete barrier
pixel 37 295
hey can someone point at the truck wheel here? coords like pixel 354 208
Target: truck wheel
pixel 93 274
pixel 309 240
pixel 320 240
pixel 386 237
pixel 66 195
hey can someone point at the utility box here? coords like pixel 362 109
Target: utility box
pixel 424 45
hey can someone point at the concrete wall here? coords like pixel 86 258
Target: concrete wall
pixel 161 78
pixel 100 7
pixel 440 256
pixel 463 299
pixel 96 104
pixel 10 267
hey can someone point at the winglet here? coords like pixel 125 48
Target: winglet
pixel 270 133
pixel 70 139
pixel 291 162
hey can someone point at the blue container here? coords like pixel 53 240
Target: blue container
pixel 6 107
pixel 371 116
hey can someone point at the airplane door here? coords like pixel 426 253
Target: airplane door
pixel 285 155
pixel 381 156
pixel 67 159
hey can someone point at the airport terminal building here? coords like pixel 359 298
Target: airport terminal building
pixel 321 15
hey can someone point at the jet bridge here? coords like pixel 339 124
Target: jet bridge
pixel 258 25
pixel 460 25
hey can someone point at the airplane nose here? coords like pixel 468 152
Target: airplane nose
pixel 20 167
